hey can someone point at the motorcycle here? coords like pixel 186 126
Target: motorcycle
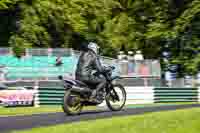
pixel 77 94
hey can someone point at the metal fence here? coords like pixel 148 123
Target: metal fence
pixel 146 69
pixel 49 52
pixel 51 93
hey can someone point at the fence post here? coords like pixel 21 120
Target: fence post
pixel 36 99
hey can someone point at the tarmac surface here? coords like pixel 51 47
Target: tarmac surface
pixel 10 123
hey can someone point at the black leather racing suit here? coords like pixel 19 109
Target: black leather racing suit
pixel 89 62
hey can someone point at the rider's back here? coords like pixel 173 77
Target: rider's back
pixel 85 64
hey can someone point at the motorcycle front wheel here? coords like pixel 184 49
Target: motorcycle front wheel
pixel 72 103
pixel 116 99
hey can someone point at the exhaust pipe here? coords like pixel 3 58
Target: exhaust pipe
pixel 81 89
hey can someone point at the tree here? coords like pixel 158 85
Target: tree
pixel 148 25
pixel 6 4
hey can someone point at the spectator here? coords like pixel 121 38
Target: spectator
pixel 131 65
pixel 144 70
pixel 59 61
pixel 124 66
pixel 138 57
pixel 123 63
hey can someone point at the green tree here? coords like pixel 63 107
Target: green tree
pixel 148 25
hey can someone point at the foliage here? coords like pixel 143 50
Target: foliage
pixel 148 25
pixel 5 4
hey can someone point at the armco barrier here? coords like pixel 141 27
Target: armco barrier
pixel 50 95
pixel 139 95
pixel 165 94
pixel 199 94
pixel 135 95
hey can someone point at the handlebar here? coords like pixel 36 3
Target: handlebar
pixel 112 67
pixel 109 68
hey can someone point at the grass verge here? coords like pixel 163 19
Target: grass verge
pixel 28 110
pixel 21 111
pixel 179 121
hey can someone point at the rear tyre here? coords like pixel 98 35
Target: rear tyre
pixel 116 99
pixel 71 103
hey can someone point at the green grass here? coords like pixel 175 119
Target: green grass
pixel 19 111
pixel 160 104
pixel 28 110
pixel 179 121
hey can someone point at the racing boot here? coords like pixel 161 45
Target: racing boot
pixel 93 96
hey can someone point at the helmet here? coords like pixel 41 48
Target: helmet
pixel 94 47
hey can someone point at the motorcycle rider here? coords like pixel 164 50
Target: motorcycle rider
pixel 88 63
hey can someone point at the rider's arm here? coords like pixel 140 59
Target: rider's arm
pixel 98 65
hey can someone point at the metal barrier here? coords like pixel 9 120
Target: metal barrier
pixel 199 94
pixel 50 95
pixel 166 94
pixel 52 92
pixel 26 69
pixel 146 73
pixel 140 95
pixel 135 95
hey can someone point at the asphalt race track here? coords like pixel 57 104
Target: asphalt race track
pixel 37 120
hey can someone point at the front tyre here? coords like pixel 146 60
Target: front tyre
pixel 116 99
pixel 72 103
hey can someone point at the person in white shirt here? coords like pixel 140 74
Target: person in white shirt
pixel 123 63
pixel 131 64
pixel 138 57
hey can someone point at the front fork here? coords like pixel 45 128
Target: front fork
pixel 113 95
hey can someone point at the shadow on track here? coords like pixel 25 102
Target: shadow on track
pixel 90 112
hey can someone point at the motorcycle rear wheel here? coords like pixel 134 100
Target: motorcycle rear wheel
pixel 71 103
